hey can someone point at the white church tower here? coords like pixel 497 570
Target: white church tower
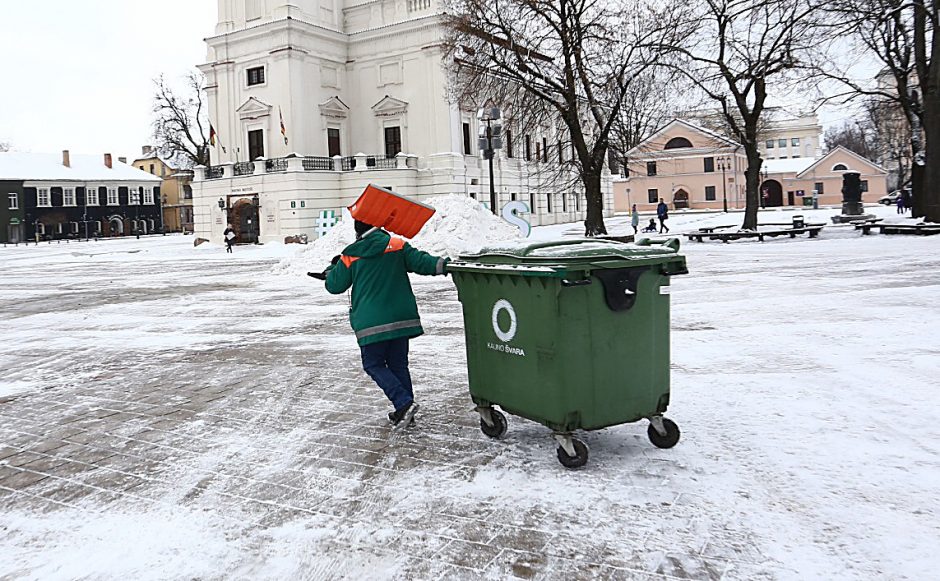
pixel 311 100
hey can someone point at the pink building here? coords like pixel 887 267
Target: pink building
pixel 689 166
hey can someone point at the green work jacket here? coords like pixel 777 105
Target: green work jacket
pixel 383 304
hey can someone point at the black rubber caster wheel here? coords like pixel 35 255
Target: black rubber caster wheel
pixel 499 427
pixel 579 459
pixel 669 440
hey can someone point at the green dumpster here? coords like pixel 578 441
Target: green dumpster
pixel 573 334
pixel 808 201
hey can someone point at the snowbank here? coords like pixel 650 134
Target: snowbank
pixel 460 225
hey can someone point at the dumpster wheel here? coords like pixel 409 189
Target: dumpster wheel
pixel 497 426
pixel 663 435
pixel 575 445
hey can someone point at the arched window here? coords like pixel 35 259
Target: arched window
pixel 678 142
pixel 839 167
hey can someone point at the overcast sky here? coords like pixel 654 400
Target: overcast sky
pixel 78 74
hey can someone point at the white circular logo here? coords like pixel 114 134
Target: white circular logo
pixel 507 335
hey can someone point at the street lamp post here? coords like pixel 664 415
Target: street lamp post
pixel 256 215
pixel 85 214
pixel 490 139
pixel 724 163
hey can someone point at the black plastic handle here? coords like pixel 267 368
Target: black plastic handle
pixel 582 282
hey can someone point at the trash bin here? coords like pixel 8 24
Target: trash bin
pixel 798 221
pixel 573 334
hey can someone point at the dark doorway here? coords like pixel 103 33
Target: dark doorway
pixel 791 198
pixel 246 222
pixel 332 141
pixel 680 199
pixel 255 144
pixel 772 193
pixel 392 141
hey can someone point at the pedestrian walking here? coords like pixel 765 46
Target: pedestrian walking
pixel 229 236
pixel 900 203
pixel 384 312
pixel 634 219
pixel 662 212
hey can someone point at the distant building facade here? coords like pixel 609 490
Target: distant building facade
pixel 48 197
pixel 176 189
pixel 688 166
pixel 311 101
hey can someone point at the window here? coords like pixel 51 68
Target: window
pixel 839 167
pixel 133 197
pixel 561 152
pixel 795 142
pixel 548 206
pixel 509 143
pixel 564 202
pixel 677 143
pixel 577 202
pixel 864 184
pixel 652 196
pixel 14 201
pixel 709 193
pixel 68 196
pixel 255 144
pixel 392 141
pixel 818 186
pixel 538 151
pixel 91 196
pixel 770 144
pixel 781 143
pixel 162 171
pixel 74 227
pixel 42 197
pixel 651 168
pixel 466 139
pixel 40 228
pixel 112 197
pixel 148 196
pixel 709 164
pixel 255 76
pixel 545 150
pixel 332 142
pixel 532 202
pixel 528 148
pixel 512 196
pixel 187 192
pixel 151 169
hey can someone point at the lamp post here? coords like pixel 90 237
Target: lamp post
pixel 724 163
pixel 255 215
pixel 490 139
pixel 764 192
pixel 85 213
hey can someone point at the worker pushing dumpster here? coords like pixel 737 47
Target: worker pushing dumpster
pixel 573 334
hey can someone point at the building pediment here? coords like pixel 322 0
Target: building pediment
pixel 253 108
pixel 389 106
pixel 335 108
pixel 668 137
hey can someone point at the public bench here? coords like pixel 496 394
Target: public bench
pixel 866 225
pixel 915 229
pixel 710 233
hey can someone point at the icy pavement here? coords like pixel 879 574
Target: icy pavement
pixel 177 413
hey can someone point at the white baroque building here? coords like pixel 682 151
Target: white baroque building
pixel 360 91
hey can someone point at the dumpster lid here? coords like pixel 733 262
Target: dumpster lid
pixel 577 250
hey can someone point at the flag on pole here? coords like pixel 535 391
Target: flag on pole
pixel 283 127
pixel 211 135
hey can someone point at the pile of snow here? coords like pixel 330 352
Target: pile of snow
pixel 460 225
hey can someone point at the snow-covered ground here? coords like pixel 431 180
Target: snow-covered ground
pixel 170 412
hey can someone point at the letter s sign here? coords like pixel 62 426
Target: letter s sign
pixel 511 213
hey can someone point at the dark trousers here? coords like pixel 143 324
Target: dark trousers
pixel 662 225
pixel 386 363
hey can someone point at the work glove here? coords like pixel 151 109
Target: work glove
pixel 318 275
pixel 335 260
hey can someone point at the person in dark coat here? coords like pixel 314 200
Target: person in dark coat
pixel 229 236
pixel 662 212
pixel 900 203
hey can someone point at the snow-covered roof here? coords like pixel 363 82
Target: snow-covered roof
pixel 48 167
pixel 792 165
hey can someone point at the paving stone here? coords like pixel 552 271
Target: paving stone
pixel 22 479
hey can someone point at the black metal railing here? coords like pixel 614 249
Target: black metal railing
pixel 215 172
pixel 313 163
pixel 243 168
pixel 384 162
pixel 348 164
pixel 274 165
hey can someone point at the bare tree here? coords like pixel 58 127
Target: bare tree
pixel 740 48
pixel 858 136
pixel 4 146
pixel 180 125
pixel 649 104
pixel 900 35
pixel 558 63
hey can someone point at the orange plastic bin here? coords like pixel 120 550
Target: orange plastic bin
pixel 385 209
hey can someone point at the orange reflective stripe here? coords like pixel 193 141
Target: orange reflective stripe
pixel 394 245
pixel 348 260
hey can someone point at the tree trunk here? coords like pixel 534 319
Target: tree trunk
pixel 752 188
pixel 594 222
pixel 930 187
